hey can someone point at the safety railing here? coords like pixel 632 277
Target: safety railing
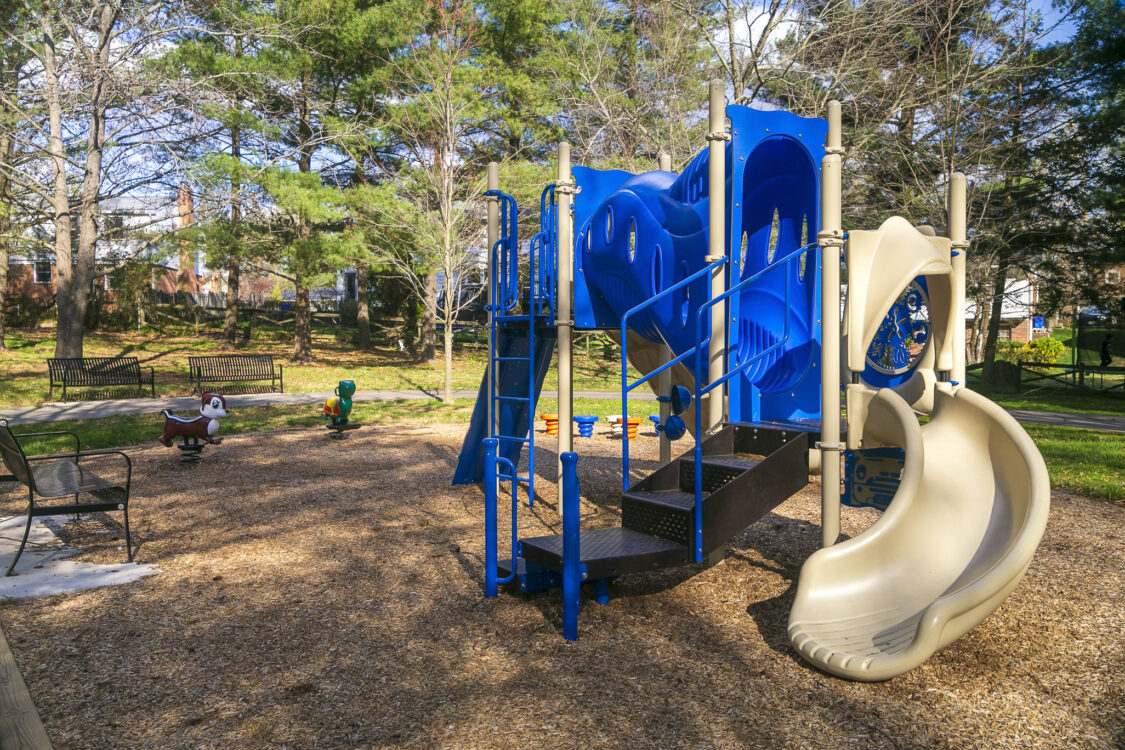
pixel 505 254
pixel 492 478
pixel 702 346
pixel 542 250
pixel 626 387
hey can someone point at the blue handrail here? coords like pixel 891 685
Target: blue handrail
pixel 491 478
pixel 625 387
pixel 784 262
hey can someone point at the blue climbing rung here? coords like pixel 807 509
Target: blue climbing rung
pixel 517 399
pixel 509 359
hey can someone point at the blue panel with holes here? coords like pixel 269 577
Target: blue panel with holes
pixel 635 235
pixel 872 476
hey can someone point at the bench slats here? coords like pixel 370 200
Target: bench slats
pixel 96 371
pixel 227 368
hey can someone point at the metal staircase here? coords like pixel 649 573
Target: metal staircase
pixel 748 470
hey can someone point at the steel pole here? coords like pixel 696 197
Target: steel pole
pixel 564 189
pixel 664 380
pixel 717 137
pixel 831 239
pixel 493 236
pixel 958 218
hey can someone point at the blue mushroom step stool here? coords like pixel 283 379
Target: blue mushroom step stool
pixel 586 425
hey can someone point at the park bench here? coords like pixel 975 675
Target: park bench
pixel 97 371
pixel 230 368
pixel 51 478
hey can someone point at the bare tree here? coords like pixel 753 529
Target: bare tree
pixel 439 90
pixel 101 119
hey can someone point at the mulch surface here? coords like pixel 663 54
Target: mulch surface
pixel 323 594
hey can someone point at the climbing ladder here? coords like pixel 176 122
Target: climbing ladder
pixel 521 344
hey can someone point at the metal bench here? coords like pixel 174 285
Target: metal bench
pixel 97 371
pixel 230 368
pixel 63 475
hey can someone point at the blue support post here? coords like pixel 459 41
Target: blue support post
pixel 490 566
pixel 572 562
pixel 601 590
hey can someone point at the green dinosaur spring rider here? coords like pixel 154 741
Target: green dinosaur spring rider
pixel 337 409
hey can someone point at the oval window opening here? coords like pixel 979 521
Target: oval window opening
pixel 608 224
pixel 742 254
pixel 802 261
pixel 657 270
pixel 632 240
pixel 685 306
pixel 775 237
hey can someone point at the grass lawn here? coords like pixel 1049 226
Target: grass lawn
pixel 23 370
pixel 1059 400
pixel 1083 461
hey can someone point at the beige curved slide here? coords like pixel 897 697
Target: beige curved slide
pixel 958 536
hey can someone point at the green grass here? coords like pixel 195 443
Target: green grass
pixel 141 429
pixel 1083 461
pixel 1059 400
pixel 23 370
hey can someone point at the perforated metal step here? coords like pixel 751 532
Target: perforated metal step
pixel 608 552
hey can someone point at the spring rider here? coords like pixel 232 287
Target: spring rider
pixel 195 431
pixel 337 409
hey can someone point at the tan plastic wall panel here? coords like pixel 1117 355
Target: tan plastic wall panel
pixel 881 263
pixel 958 536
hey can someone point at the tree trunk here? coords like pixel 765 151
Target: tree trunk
pixel 60 201
pixel 428 334
pixel 302 325
pixel 5 225
pixel 999 284
pixel 230 321
pixel 72 306
pixel 411 327
pixel 363 309
pixel 447 389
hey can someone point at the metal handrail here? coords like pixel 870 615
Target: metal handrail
pixel 625 387
pixel 491 478
pixel 783 262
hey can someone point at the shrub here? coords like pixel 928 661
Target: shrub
pixel 1045 351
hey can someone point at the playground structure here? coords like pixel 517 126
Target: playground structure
pixel 720 305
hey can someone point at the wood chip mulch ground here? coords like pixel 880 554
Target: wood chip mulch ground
pixel 323 594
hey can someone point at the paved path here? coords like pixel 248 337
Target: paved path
pixel 56 412
pixel 98 409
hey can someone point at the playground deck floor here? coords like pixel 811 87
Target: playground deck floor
pixel 327 594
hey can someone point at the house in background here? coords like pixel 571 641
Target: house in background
pixel 130 228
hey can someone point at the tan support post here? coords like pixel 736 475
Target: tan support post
pixel 717 137
pixel 564 189
pixel 958 219
pixel 831 239
pixel 664 379
pixel 493 236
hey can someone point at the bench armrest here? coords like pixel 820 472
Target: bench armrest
pixel 93 452
pixel 77 442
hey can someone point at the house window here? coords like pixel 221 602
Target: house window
pixel 42 272
pixel 114 222
pixel 1113 277
pixel 351 289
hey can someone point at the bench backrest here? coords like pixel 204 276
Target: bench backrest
pixel 14 457
pixel 95 370
pixel 232 366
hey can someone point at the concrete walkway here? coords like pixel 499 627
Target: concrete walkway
pixel 187 404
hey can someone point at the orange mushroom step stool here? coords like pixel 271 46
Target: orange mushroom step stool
pixel 631 424
pixel 552 421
